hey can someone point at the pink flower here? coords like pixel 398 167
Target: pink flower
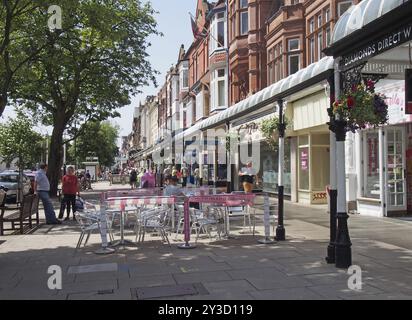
pixel 370 84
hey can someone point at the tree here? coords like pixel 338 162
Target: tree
pixel 97 61
pixel 19 141
pixel 19 42
pixel 99 139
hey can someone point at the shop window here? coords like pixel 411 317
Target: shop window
pixel 269 163
pixel 395 167
pixel 321 162
pixel 371 163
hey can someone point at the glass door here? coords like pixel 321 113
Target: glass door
pixel 395 168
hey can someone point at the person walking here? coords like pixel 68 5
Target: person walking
pixel 247 175
pixel 184 172
pixel 110 175
pixel 133 179
pixel 89 180
pixel 196 175
pixel 42 188
pixel 70 187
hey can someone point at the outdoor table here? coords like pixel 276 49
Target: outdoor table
pixel 122 202
pixel 224 199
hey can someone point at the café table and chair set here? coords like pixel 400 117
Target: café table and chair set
pixel 198 211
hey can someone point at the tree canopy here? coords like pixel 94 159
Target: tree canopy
pixel 20 141
pixel 98 139
pixel 20 43
pixel 88 69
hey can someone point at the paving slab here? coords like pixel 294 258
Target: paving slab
pixel 208 276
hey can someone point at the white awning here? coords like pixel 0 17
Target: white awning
pixel 188 131
pixel 273 90
pixel 357 16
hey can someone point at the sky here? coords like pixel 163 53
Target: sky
pixel 174 22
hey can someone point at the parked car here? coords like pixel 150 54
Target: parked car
pixel 9 180
pixel 31 175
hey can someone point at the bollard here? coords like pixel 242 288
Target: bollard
pixel 266 222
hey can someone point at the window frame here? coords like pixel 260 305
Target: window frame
pixel 293 39
pixel 242 15
pixel 289 64
pixel 319 39
pixel 214 32
pixel 339 6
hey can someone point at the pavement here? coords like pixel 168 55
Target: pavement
pixel 224 269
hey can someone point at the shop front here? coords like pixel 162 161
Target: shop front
pixel 372 44
pixel 310 141
pixel 386 159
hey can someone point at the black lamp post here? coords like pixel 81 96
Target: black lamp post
pixel 330 258
pixel 343 252
pixel 280 229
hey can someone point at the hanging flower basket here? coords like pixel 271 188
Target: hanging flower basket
pixel 270 130
pixel 361 107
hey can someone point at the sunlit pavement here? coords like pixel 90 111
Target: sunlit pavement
pixel 219 269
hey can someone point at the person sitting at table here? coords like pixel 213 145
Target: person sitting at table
pixel 171 188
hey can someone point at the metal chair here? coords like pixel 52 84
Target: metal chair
pixel 204 220
pixel 88 223
pixel 156 219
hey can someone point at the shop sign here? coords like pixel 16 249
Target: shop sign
pixel 304 159
pixel 395 98
pixel 389 41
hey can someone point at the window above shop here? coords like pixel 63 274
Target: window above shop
pixel 217 33
pixel 243 3
pixel 293 44
pixel 343 6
